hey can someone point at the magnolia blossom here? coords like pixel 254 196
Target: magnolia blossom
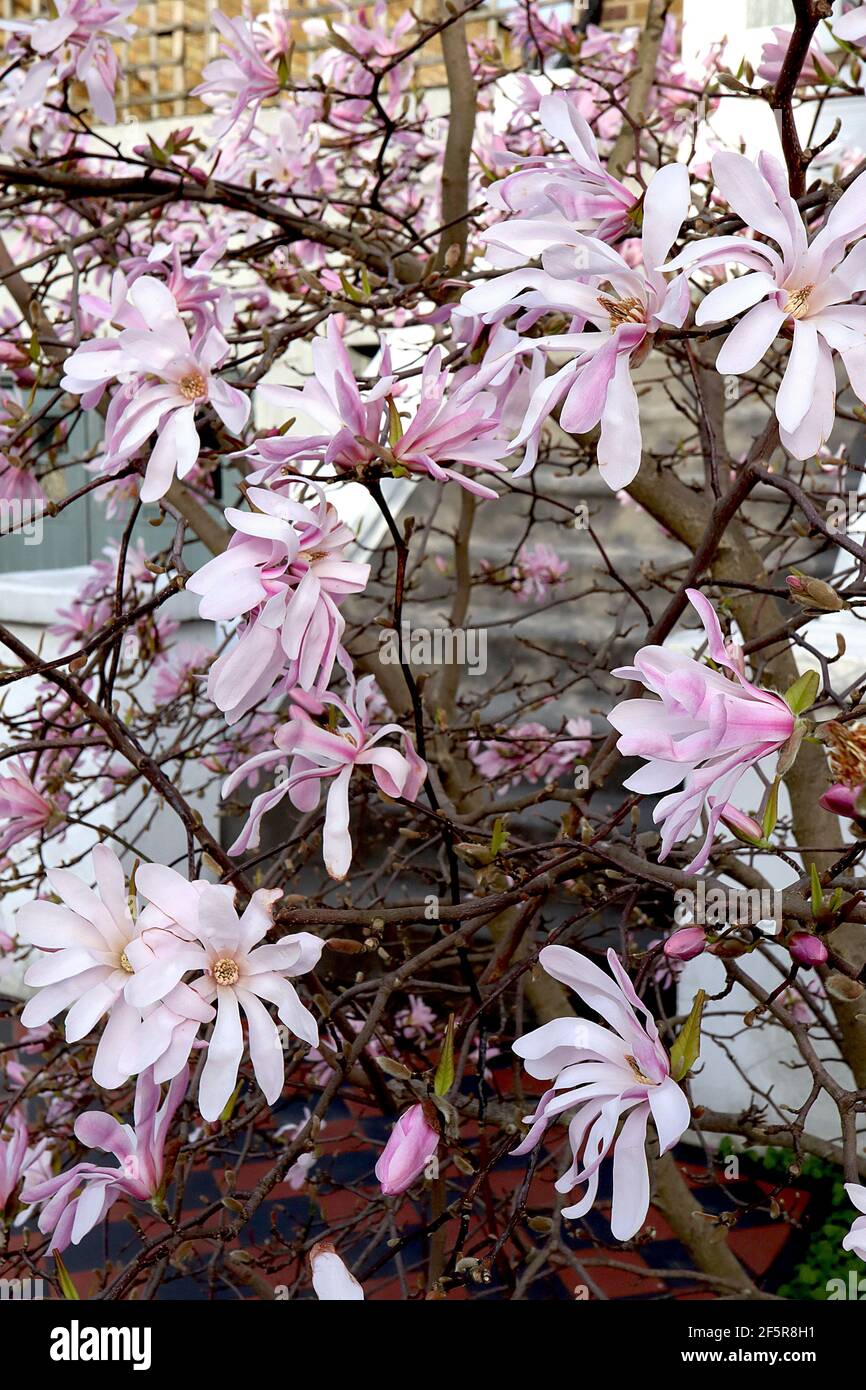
pixel 537 572
pixel 411 1144
pixel 285 569
pixel 856 1237
pixel 621 1070
pixel 15 1158
pixel 806 290
pixel 852 26
pixel 818 67
pixel 322 754
pixel 234 972
pixel 86 968
pixel 366 430
pixel 575 188
pixel 76 1201
pixel 23 809
pixel 705 730
pixel 78 43
pixel 237 82
pixel 332 1280
pixel 615 312
pixel 530 753
pixel 166 377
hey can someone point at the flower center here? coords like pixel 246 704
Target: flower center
pixel 798 302
pixel 621 311
pixel 125 965
pixel 312 556
pixel 225 971
pixel 192 386
pixel 637 1073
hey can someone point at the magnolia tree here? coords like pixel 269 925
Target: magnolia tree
pixel 500 419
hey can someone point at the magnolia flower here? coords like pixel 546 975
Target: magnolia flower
pixel 574 188
pixel 166 378
pixel 608 1073
pixel 285 568
pixel 598 290
pixel 530 753
pixel 78 42
pixel 807 289
pixel 364 431
pixel 235 973
pixel 807 949
pixel 705 730
pixel 240 80
pixel 321 754
pixel 818 67
pixel 86 968
pixel 332 1281
pixel 76 1201
pixel 538 570
pixel 13 1162
pixel 23 809
pixel 411 1144
pixel 851 27
pixel 856 1237
pixel 846 802
pixel 686 943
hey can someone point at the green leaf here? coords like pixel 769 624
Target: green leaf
pixel 444 1078
pixel 801 695
pixel 771 811
pixel 687 1048
pixel 395 424
pixel 817 891
pixel 500 837
pixel 67 1288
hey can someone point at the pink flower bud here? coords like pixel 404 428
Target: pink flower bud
pixel 807 949
pixel 744 827
pixel 686 943
pixel 842 801
pixel 412 1143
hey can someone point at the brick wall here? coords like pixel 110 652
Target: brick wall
pixel 616 14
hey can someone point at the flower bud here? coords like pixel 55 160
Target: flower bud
pixel 686 943
pixel 844 801
pixel 744 827
pixel 807 949
pixel 412 1143
pixel 814 593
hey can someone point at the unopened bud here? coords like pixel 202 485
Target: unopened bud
pixel 807 949
pixel 686 944
pixel 744 827
pixel 814 593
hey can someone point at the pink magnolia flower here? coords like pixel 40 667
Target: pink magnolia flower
pixel 608 1073
pixel 530 753
pixel 86 968
pixel 851 27
pixel 818 66
pixel 417 1021
pixel 23 810
pixel 364 431
pixel 538 571
pixel 612 331
pixel 539 32
pixel 79 43
pixel 411 1144
pixel 842 800
pixel 807 949
pixel 856 1237
pixel 686 943
pixel 176 671
pixel 319 755
pixel 17 484
pixel 332 1280
pixel 808 290
pixel 285 570
pixel 76 1201
pixel 14 1159
pixel 166 377
pixel 236 973
pixel 574 188
pixel 241 78
pixel 705 730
